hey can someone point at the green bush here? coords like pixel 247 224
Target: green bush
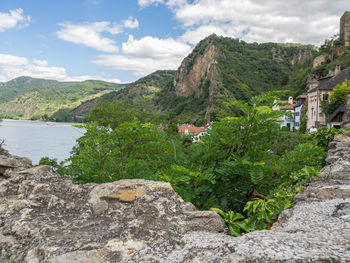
pixel 324 135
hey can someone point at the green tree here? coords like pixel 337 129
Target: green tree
pixel 236 149
pixel 131 150
pixel 338 95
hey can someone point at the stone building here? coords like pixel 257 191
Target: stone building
pixel 319 91
pixel 345 28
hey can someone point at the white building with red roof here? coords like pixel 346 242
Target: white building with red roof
pixel 195 132
pixel 287 106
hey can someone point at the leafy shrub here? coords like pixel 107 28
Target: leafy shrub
pixel 324 135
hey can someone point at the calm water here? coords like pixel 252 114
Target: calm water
pixel 35 139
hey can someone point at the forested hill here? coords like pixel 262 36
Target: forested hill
pixel 12 88
pixel 141 92
pixel 30 98
pixel 221 68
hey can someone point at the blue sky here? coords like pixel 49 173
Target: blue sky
pixel 123 40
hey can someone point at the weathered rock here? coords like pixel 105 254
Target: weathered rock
pixel 10 163
pixel 303 54
pixel 46 218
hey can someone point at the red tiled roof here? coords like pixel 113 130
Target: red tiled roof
pixel 288 106
pixel 193 130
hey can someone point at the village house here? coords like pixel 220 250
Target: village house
pixel 335 120
pixel 298 110
pixel 195 132
pixel 320 90
pixel 288 106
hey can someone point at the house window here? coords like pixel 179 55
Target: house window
pixel 296 113
pixel 325 96
pixel 297 124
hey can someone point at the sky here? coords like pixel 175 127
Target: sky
pixel 123 40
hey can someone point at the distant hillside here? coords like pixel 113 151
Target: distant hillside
pixel 222 68
pixel 140 92
pixel 12 88
pixel 29 98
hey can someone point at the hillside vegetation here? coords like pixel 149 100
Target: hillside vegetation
pixel 39 99
pixel 140 93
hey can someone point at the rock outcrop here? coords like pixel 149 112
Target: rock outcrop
pixel 47 218
pixel 196 69
pixel 303 54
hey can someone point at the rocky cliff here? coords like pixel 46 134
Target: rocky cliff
pixel 196 69
pixel 47 218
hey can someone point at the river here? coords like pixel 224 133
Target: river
pixel 36 139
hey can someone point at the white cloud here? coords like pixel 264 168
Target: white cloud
pixel 90 35
pixel 6 59
pixel 42 63
pixel 13 19
pixel 146 55
pixel 131 23
pixel 144 3
pixel 12 67
pixel 309 22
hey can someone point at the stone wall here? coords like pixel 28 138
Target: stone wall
pixel 47 218
pixel 345 27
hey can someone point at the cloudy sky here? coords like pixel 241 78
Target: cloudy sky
pixel 123 40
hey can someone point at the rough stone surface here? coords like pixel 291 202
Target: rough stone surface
pixel 303 54
pixel 46 218
pixel 319 60
pixel 198 68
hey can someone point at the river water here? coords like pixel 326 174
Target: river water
pixel 36 139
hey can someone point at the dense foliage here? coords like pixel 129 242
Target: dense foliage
pixel 244 165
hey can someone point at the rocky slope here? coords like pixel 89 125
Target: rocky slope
pixel 46 218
